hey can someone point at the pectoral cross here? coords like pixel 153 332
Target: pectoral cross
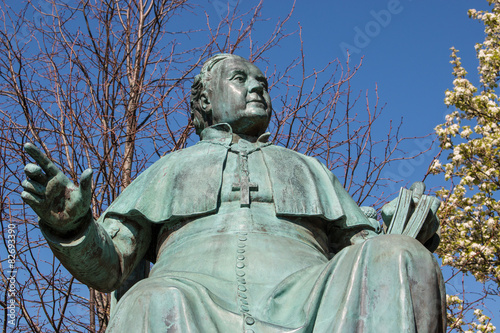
pixel 244 185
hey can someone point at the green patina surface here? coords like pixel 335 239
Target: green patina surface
pixel 245 236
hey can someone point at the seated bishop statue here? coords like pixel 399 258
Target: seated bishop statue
pixel 245 236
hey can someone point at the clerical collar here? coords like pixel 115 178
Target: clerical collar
pixel 224 132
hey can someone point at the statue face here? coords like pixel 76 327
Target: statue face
pixel 238 96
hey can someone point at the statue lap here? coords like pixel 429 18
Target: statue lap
pixel 365 288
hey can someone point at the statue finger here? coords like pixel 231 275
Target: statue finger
pixel 33 200
pixel 33 187
pixel 418 189
pixel 47 165
pixel 34 172
pixel 436 203
pixel 86 183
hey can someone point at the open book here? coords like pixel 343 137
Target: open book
pixel 413 216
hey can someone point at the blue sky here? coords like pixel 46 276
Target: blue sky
pixel 407 54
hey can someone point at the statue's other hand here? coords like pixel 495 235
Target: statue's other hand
pixel 388 211
pixel 55 199
pixel 418 189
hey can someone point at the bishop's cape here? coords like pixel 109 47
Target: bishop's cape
pixel 187 183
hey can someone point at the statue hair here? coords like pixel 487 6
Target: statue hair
pixel 203 118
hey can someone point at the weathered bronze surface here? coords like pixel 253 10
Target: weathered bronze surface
pixel 246 236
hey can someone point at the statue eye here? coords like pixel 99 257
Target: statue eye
pixel 239 78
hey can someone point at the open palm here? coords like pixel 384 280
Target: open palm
pixel 55 199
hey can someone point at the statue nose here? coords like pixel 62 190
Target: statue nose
pixel 255 86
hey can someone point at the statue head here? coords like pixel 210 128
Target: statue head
pixel 230 89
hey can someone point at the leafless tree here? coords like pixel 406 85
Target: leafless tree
pixel 105 84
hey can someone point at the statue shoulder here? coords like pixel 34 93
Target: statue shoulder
pixel 288 155
pixel 177 157
pixel 287 152
pixel 173 183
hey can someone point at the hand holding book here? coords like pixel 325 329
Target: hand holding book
pixel 413 214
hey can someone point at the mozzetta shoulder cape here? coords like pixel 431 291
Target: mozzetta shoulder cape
pixel 187 183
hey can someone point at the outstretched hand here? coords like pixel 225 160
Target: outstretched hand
pixel 55 199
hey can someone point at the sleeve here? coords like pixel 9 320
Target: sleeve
pixel 354 226
pixel 104 252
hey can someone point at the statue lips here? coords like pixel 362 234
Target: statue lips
pixel 259 101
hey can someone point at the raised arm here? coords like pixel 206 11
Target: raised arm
pixel 99 253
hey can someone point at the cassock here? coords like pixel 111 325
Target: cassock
pixel 252 237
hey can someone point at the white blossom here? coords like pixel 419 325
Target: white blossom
pixel 470 137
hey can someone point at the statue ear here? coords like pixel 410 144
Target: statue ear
pixel 206 109
pixel 205 102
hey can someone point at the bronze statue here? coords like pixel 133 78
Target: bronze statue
pixel 245 236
